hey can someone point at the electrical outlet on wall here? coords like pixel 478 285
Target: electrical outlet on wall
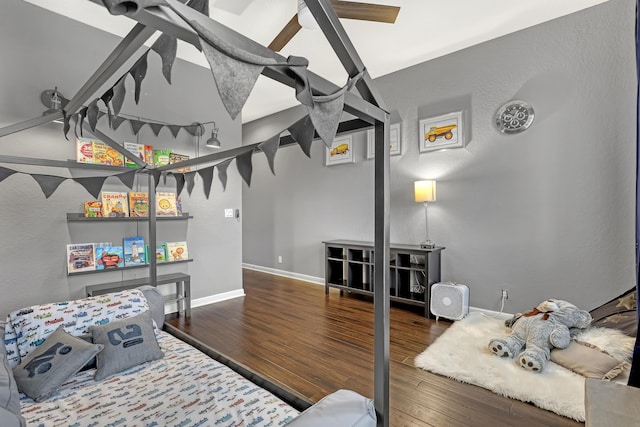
pixel 228 213
pixel 279 259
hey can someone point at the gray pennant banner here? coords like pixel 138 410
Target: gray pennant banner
pixel 92 114
pixel 269 148
pixel 156 176
pixel 222 172
pixel 48 183
pixel 81 115
pixel 174 129
pixel 92 184
pixel 166 46
pixel 179 182
pixel 156 127
pixel 207 179
pixel 116 122
pixel 302 131
pixel 127 178
pixel 244 165
pixel 136 125
pixel 66 126
pixel 119 91
pixel 5 173
pixel 325 115
pixel 191 182
pixel 139 72
pixel 106 99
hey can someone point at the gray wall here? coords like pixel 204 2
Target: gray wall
pixel 547 213
pixel 41 50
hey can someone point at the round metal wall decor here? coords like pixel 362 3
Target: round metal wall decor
pixel 514 117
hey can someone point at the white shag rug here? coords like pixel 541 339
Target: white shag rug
pixel 462 353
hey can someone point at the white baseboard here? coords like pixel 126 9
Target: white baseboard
pixel 211 299
pixel 491 313
pixel 320 281
pixel 283 273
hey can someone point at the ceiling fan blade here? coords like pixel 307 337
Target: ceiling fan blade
pixel 365 11
pixel 286 34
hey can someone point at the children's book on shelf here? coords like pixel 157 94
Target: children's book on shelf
pixel 80 257
pixel 84 150
pixel 166 204
pixel 134 251
pixel 109 257
pixel 137 150
pixel 138 204
pixel 92 208
pixel 161 252
pixel 114 204
pixel 177 158
pixel 148 155
pixel 161 157
pixel 177 251
pixel 105 155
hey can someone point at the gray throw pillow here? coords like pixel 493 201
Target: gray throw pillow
pixel 127 343
pixel 47 367
pixel 9 396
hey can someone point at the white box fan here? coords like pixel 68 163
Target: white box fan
pixel 449 300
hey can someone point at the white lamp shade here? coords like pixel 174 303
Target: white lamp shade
pixel 305 18
pixel 425 191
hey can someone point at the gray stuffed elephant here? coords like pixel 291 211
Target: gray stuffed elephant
pixel 536 333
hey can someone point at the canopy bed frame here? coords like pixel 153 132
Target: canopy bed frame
pixel 168 17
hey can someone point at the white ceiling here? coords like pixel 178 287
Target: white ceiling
pixel 424 30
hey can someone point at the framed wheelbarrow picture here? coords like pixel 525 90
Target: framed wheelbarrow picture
pixel 446 131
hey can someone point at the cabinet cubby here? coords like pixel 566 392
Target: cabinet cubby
pixel 349 267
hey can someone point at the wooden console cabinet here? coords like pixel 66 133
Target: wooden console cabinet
pixel 349 267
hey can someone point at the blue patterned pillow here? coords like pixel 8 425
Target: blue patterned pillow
pixel 127 343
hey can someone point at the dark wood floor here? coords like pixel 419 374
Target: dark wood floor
pixel 292 334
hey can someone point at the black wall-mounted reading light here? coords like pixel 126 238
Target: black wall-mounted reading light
pixel 213 142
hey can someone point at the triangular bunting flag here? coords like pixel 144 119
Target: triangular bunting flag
pixel 92 114
pixel 174 129
pixel 48 183
pixel 201 6
pixel 156 176
pixel 234 79
pixel 222 172
pixel 192 129
pixel 138 72
pixel 302 131
pixel 116 122
pixel 179 182
pixel 136 125
pixel 81 115
pixel 164 177
pixel 156 127
pixel 106 98
pixel 119 90
pixel 92 184
pixel 269 148
pixel 127 178
pixel 325 115
pixel 303 88
pixel 166 46
pixel 245 168
pixel 191 182
pixel 66 126
pixel 207 179
pixel 5 173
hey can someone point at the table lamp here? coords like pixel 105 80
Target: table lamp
pixel 425 191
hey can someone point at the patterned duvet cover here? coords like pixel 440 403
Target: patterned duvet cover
pixel 184 389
